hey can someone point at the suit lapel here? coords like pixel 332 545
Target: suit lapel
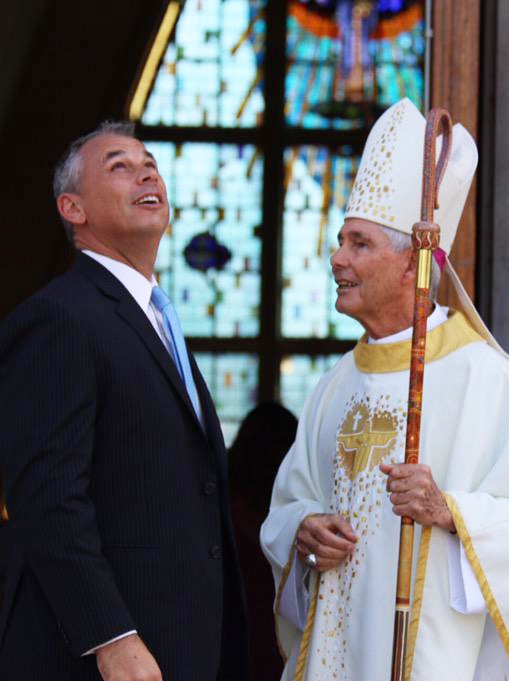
pixel 129 310
pixel 131 313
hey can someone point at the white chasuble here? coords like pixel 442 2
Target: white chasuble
pixel 353 421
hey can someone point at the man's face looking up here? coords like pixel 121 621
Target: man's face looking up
pixel 121 195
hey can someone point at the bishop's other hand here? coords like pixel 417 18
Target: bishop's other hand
pixel 414 493
pixel 326 536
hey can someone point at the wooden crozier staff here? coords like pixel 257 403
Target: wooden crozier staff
pixel 426 235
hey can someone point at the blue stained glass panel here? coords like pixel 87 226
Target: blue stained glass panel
pixel 214 189
pixel 299 375
pixel 352 51
pixel 400 68
pixel 318 186
pixel 232 379
pixel 211 73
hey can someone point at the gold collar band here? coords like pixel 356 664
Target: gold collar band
pixel 388 357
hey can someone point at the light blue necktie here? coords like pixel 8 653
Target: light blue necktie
pixel 175 338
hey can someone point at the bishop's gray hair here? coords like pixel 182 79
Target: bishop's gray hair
pixel 401 242
pixel 68 170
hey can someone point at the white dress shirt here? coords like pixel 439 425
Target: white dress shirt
pixel 138 286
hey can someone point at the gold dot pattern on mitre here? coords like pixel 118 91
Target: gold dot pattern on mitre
pixel 371 431
pixel 373 190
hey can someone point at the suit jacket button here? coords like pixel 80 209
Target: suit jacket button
pixel 210 487
pixel 215 552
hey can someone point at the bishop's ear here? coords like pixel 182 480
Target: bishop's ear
pixel 70 208
pixel 411 266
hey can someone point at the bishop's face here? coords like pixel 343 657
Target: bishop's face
pixel 375 283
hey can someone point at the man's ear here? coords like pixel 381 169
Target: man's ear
pixel 70 208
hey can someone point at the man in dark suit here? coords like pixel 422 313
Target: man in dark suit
pixel 118 546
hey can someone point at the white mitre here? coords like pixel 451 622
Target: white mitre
pixel 388 186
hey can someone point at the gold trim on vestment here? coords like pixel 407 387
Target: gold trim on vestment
pixel 300 666
pixel 284 576
pixel 420 578
pixel 475 563
pixel 446 338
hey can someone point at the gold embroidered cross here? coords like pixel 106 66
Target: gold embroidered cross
pixel 364 449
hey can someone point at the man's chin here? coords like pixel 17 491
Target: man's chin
pixel 152 227
pixel 155 220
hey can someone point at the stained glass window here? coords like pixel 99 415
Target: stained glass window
pixel 318 185
pixel 212 70
pixel 257 202
pixel 299 375
pixel 216 190
pixel 347 59
pixel 232 380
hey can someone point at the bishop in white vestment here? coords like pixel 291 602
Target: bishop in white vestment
pixel 335 620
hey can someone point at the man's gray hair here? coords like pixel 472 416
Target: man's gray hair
pixel 68 170
pixel 402 242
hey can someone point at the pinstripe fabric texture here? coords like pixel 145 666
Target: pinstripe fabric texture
pixel 118 512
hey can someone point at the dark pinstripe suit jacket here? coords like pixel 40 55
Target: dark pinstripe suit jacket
pixel 117 498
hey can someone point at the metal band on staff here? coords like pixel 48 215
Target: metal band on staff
pixel 426 236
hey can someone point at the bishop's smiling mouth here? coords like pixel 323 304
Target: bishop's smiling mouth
pixel 344 285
